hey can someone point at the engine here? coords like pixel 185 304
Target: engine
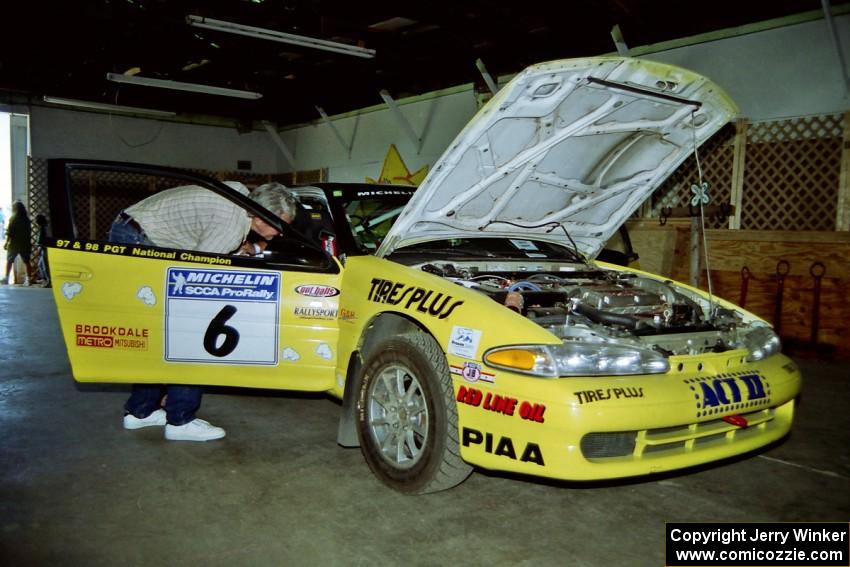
pixel 605 306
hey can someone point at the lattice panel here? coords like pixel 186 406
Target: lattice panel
pixel 37 198
pixel 792 174
pixel 98 196
pixel 715 156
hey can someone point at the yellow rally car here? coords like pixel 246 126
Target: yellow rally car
pixel 476 330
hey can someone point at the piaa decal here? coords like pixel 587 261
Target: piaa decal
pixel 502 446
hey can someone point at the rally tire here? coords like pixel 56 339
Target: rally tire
pixel 407 418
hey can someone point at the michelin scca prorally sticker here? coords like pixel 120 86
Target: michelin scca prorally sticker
pixel 222 316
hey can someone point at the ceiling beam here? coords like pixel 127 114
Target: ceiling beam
pixel 282 37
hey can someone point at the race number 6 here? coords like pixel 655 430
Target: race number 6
pixel 222 316
pixel 216 329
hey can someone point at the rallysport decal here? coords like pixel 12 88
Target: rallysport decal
pixel 222 316
pixel 424 300
pixel 303 312
pixel 729 392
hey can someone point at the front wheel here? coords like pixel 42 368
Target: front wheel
pixel 407 419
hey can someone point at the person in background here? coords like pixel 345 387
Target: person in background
pixel 191 218
pixel 18 241
pixel 41 257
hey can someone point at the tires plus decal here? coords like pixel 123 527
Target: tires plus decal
pixel 729 392
pixel 502 446
pixel 111 336
pixel 222 316
pixel 424 300
pixel 501 404
pixel 472 372
pixel 602 394
pixel 316 290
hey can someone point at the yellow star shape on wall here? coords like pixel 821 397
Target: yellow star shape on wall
pixel 395 172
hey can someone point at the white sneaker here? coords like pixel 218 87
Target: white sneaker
pixel 133 422
pixel 195 430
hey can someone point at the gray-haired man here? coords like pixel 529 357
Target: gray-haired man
pixel 191 218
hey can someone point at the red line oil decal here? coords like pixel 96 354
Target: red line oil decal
pixel 316 290
pixel 111 336
pixel 501 404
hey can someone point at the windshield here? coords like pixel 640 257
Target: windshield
pixel 371 213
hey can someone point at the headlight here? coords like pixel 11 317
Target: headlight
pixel 577 359
pixel 761 342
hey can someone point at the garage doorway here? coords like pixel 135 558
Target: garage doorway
pixel 14 150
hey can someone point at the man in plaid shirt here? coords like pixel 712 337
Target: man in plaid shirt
pixel 191 218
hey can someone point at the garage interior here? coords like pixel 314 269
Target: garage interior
pixel 76 489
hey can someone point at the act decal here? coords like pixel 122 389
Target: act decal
pixel 222 316
pixel 733 391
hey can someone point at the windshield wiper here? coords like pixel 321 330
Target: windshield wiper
pixel 553 225
pixel 467 252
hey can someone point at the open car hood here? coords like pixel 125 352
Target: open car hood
pixel 580 142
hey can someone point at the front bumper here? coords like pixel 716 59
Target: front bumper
pixel 706 408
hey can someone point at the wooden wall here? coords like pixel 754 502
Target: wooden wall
pixel 664 250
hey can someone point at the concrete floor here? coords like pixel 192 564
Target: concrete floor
pixel 76 489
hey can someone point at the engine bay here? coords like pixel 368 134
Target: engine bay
pixel 587 303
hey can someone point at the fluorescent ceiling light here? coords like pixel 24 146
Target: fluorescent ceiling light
pixel 272 35
pixel 108 107
pixel 178 86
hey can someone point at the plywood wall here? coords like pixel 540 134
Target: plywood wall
pixel 664 250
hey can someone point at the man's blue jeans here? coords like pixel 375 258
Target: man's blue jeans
pixel 182 401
